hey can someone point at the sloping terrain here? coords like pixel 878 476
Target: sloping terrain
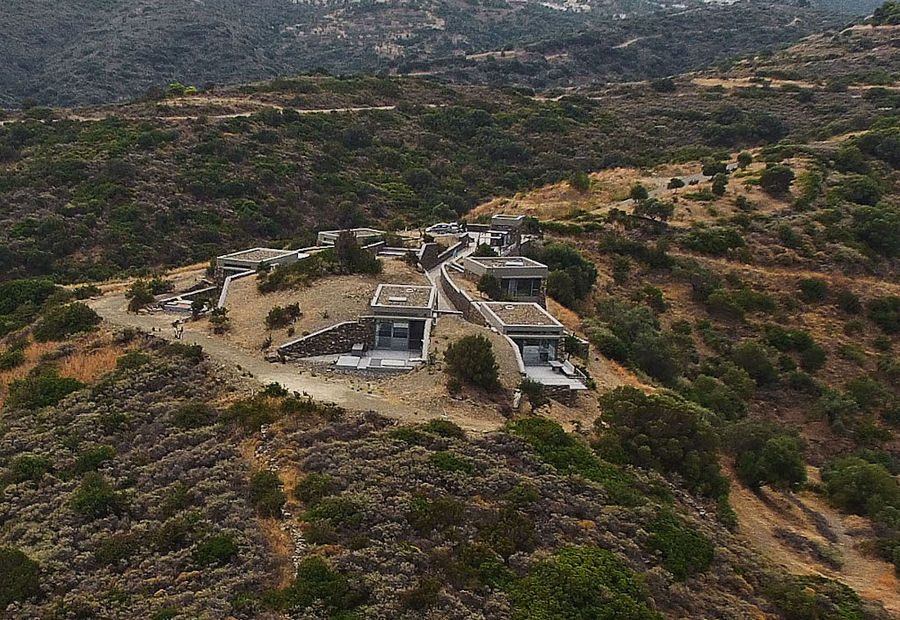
pixel 93 52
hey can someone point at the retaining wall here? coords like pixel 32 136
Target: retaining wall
pixel 460 300
pixel 332 340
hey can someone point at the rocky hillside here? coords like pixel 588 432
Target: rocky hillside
pixel 92 52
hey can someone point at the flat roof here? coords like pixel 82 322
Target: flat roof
pixel 403 296
pixel 505 261
pixel 258 254
pixel 507 216
pixel 355 231
pixel 521 314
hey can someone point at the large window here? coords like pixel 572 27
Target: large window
pixel 537 351
pixel 399 335
pixel 523 288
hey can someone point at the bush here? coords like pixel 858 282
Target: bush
pixel 132 360
pixel 450 462
pixel 94 458
pixel 715 395
pixel 96 497
pixel 60 322
pixel 193 415
pixel 215 551
pixel 27 467
pixel 849 302
pixel 765 455
pixel 638 192
pixel 12 358
pixel 813 358
pixel 313 487
pixel 32 292
pixel 471 360
pixel 282 316
pixel 570 455
pixel 811 597
pixel 340 512
pixel 813 289
pixel 662 432
pixel 317 583
pixel 252 413
pixel 444 428
pixel 484 251
pixel 139 295
pixel 885 312
pixel 581 582
pixel 19 577
pixel 716 240
pixel 43 387
pixel 574 274
pixel 685 551
pixel 756 360
pixel 266 494
pixel 860 487
pixel 534 392
pixel 776 179
pixel 427 514
pixel 115 548
pixel 489 284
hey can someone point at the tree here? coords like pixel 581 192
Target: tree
pixel 582 582
pixel 767 456
pixel 885 312
pixel 197 308
pixel 139 295
pixel 654 209
pixel 571 274
pixel 63 321
pixel 19 577
pixel 534 392
pixel 776 179
pixel 712 167
pixel 744 159
pixel 662 432
pixel 580 181
pixel 860 487
pixel 756 360
pixel 489 284
pixel 813 289
pixel 675 183
pixel 639 192
pixel 471 360
pixel 719 184
pixel 219 320
pixel 484 250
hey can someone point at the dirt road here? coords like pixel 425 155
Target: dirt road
pixel 112 308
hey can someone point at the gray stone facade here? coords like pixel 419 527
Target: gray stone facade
pixel 332 340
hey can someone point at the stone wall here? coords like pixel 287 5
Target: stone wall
pixel 429 259
pixel 561 394
pixel 332 340
pixel 460 300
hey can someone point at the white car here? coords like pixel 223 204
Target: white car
pixel 442 229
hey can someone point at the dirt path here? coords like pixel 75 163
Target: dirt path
pixel 112 308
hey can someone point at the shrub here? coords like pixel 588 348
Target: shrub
pixel 96 497
pixel 427 514
pixel 813 289
pixel 860 487
pixel 282 316
pixel 94 458
pixel 60 322
pixel 13 357
pixel 764 455
pixel 716 240
pixel 776 179
pixel 215 551
pixel 450 462
pixel 139 295
pixel 685 551
pixel 219 320
pixel 444 428
pixel 251 413
pixel 885 312
pixel 19 577
pixel 313 487
pixel 508 531
pixel 570 455
pixel 43 387
pixel 32 292
pixel 849 302
pixel 27 467
pixel 813 358
pixel 113 549
pixel 812 597
pixel 484 251
pixel 317 583
pixel 756 360
pixel 489 284
pixel 266 494
pixel 336 511
pixel 534 392
pixel 581 582
pixel 580 181
pixel 638 192
pixel 715 395
pixel 575 274
pixel 132 360
pixel 662 432
pixel 193 415
pixel 471 360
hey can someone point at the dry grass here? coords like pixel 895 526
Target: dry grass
pixel 326 302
